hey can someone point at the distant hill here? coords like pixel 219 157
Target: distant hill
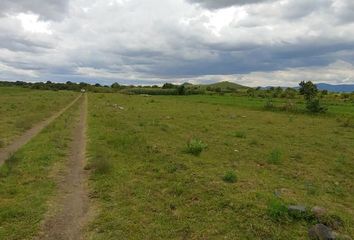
pixel 336 88
pixel 224 86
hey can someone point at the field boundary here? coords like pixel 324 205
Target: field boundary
pixel 6 152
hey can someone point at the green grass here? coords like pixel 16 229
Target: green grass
pixel 182 167
pixel 28 179
pixel 149 188
pixel 21 108
pixel 335 107
pixel 230 177
pixel 275 157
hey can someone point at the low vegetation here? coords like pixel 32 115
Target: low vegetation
pixel 28 179
pixel 237 163
pixel 195 147
pixel 256 164
pixel 21 108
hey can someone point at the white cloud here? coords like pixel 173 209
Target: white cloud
pixel 8 70
pixel 31 23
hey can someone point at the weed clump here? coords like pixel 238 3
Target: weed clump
pixel 277 210
pixel 195 147
pixel 230 177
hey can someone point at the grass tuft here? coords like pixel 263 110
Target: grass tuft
pixel 277 210
pixel 230 177
pixel 275 157
pixel 239 134
pixel 195 147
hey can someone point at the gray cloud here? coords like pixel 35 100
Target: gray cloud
pixel 134 41
pixel 213 4
pixel 46 9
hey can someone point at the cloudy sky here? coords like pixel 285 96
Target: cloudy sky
pixel 252 42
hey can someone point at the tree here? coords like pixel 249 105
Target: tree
pixel 115 85
pixel 168 86
pixel 181 90
pixel 310 91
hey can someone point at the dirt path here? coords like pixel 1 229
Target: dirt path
pixel 6 152
pixel 69 213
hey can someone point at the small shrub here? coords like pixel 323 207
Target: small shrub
pixel 315 106
pixel 274 157
pixel 230 177
pixel 195 147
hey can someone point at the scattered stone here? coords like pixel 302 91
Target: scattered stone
pixel 333 221
pixel 318 212
pixel 297 208
pixel 321 232
pixel 297 211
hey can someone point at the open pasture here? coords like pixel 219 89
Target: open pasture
pixel 21 108
pixel 194 167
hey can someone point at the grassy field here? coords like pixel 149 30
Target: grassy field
pixel 335 107
pixel 182 167
pixel 20 108
pixel 150 182
pixel 29 178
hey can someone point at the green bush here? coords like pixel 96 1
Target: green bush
pixel 195 147
pixel 230 177
pixel 315 106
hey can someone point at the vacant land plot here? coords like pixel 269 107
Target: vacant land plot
pixel 21 108
pixel 181 168
pixel 29 179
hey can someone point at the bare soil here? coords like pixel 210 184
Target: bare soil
pixel 69 213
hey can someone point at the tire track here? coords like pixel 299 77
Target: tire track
pixel 69 213
pixel 6 152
